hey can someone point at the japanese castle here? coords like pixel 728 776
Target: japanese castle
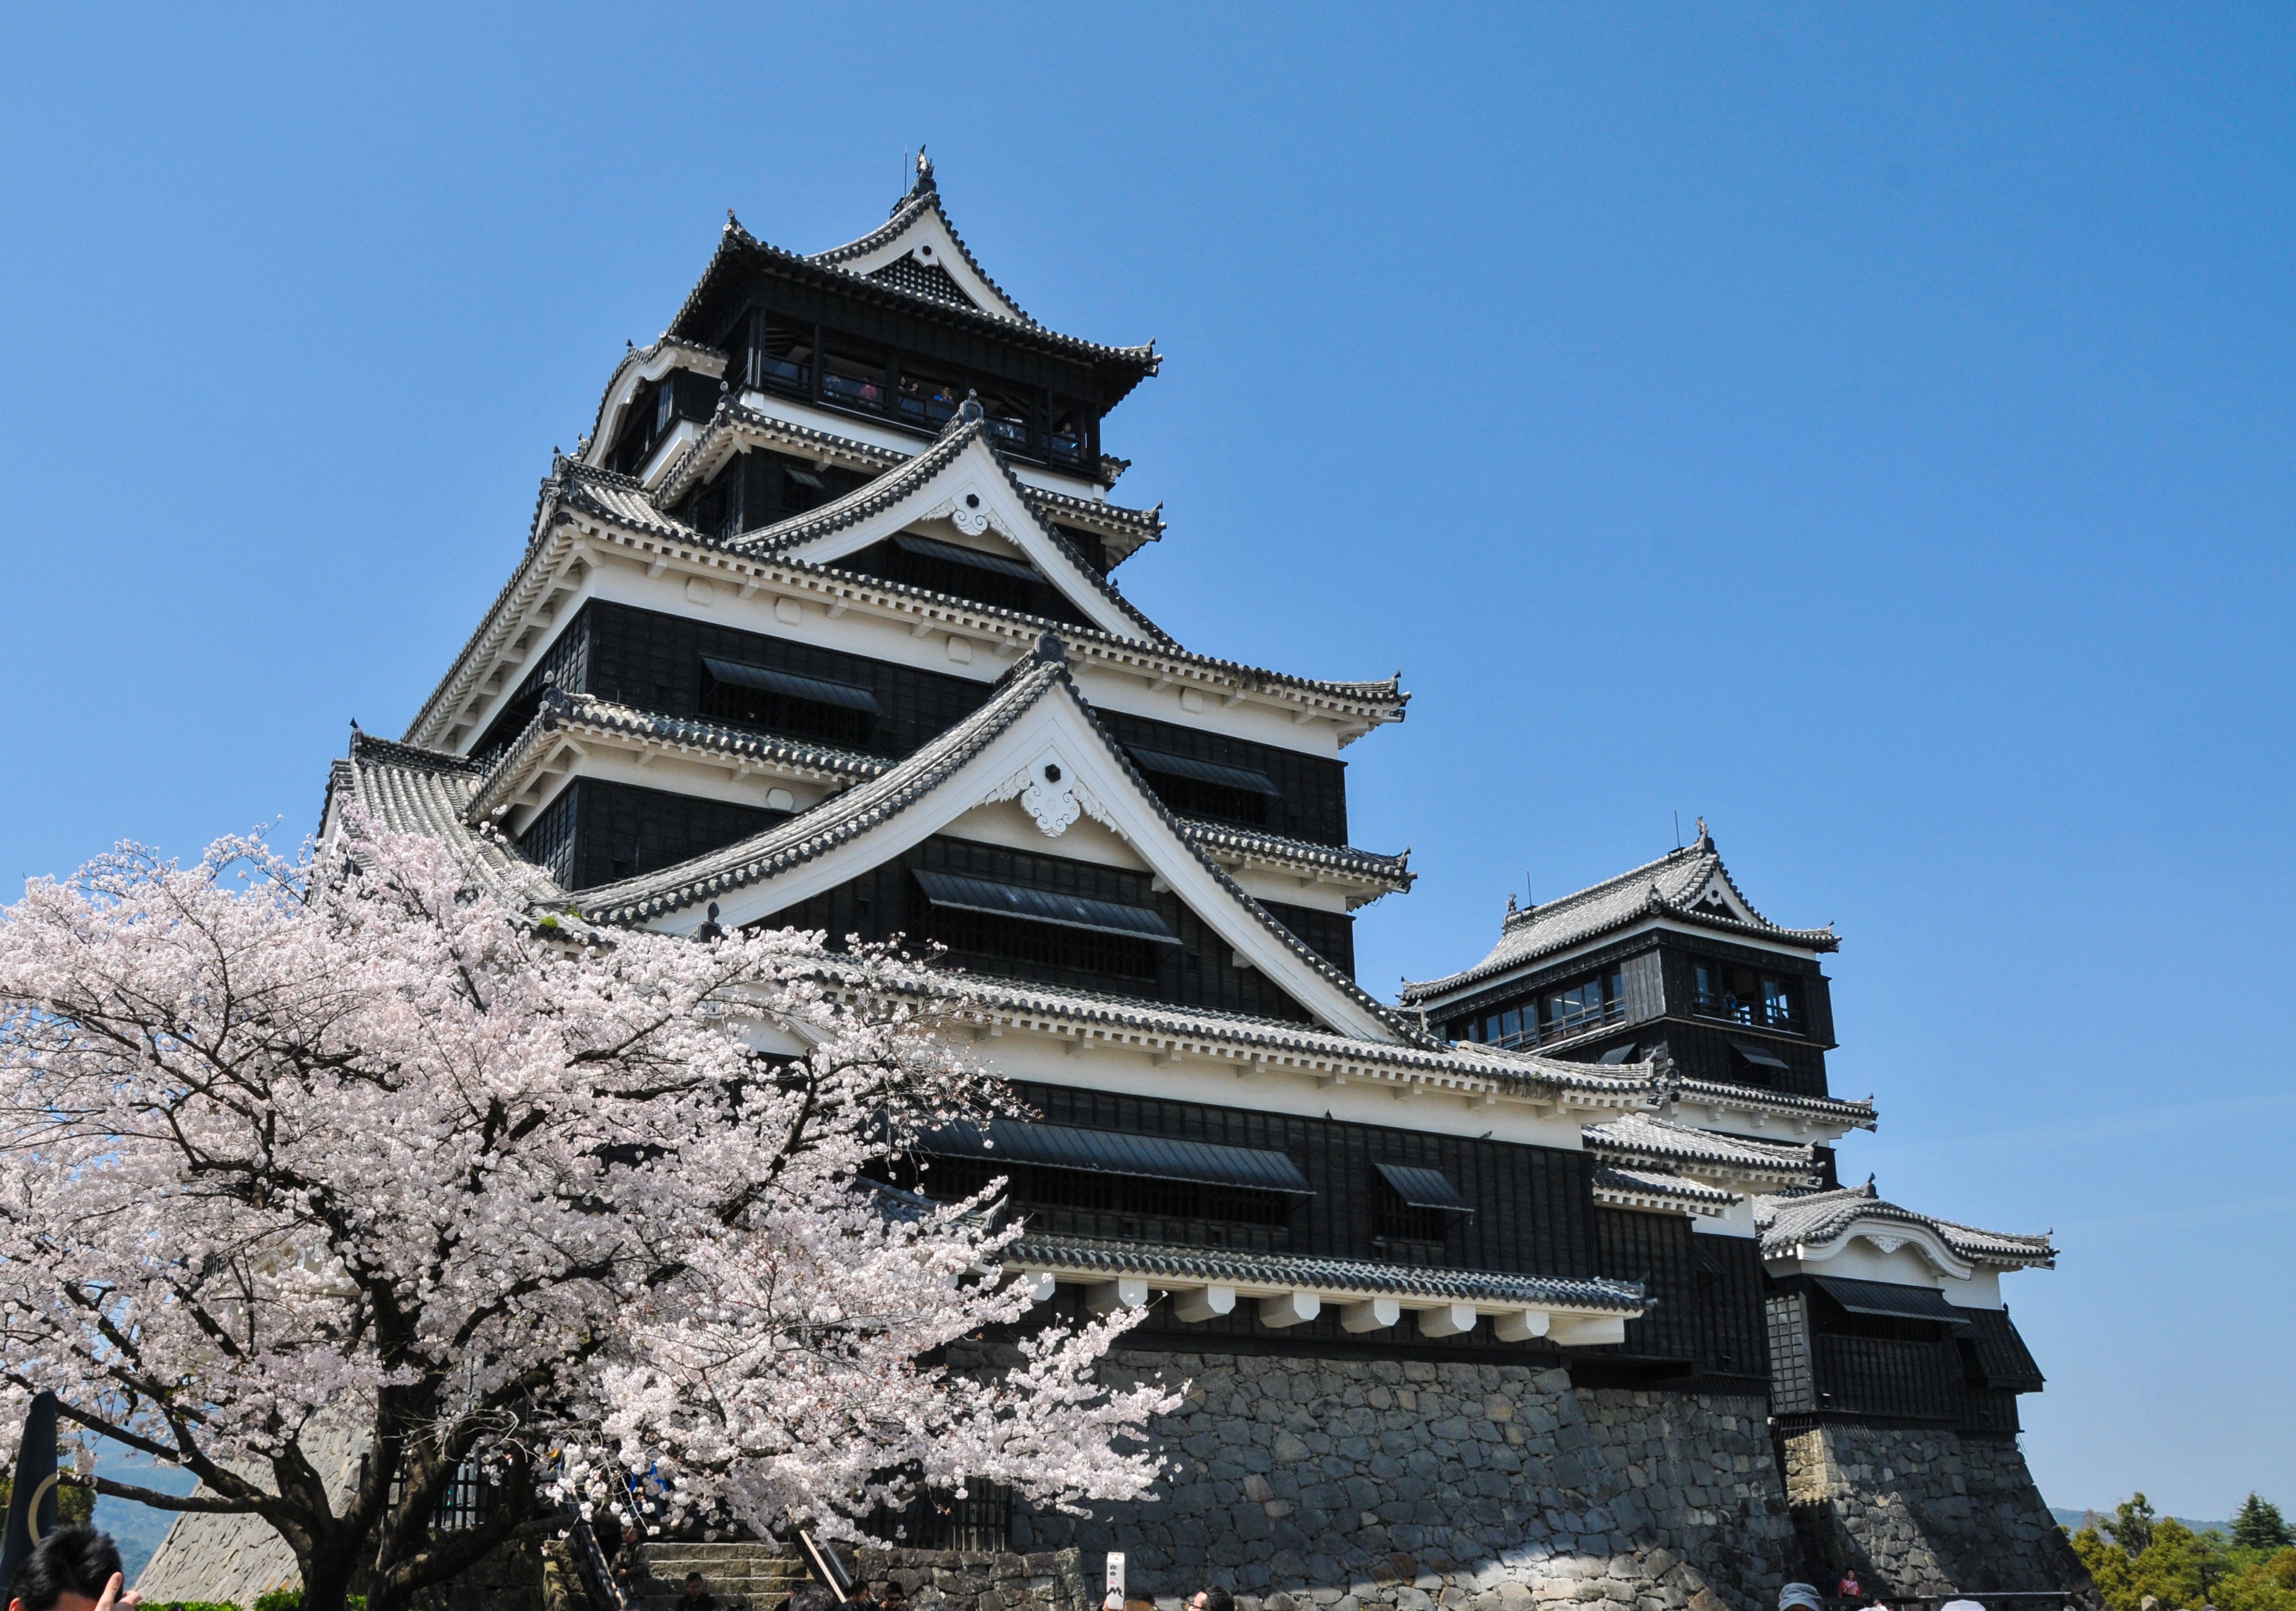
pixel 821 625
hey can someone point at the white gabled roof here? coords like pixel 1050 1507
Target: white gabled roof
pixel 1814 1226
pixel 1035 740
pixel 640 364
pixel 919 233
pixel 960 478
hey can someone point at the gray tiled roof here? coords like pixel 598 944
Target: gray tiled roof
pixel 415 791
pixel 988 998
pixel 1646 1138
pixel 235 1558
pixel 560 711
pixel 764 855
pixel 735 425
pixel 1654 1184
pixel 923 197
pixel 1079 1257
pixel 1258 845
pixel 427 791
pixel 1130 526
pixel 1858 1114
pixel 509 770
pixel 1664 888
pixel 1788 1220
pixel 736 242
pixel 619 498
pixel 605 496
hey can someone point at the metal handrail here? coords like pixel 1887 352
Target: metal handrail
pixel 1985 1597
pixel 1608 1013
pixel 594 1565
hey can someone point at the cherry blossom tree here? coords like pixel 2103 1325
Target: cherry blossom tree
pixel 344 1147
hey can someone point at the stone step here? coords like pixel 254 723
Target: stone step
pixel 743 1577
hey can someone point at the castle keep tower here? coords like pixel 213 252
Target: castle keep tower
pixel 820 626
pixel 1889 1346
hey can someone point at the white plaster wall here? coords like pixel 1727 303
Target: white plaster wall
pixel 1021 1055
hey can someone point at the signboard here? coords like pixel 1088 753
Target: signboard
pixel 1116 1573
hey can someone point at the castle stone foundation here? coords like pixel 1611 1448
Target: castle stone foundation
pixel 1410 1484
pixel 1925 1511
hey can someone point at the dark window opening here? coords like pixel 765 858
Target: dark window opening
pixel 928 399
pixel 1033 1188
pixel 1064 444
pixel 781 358
pixel 1555 1013
pixel 936 1518
pixel 1746 995
pixel 655 408
pixel 1203 788
pixel 797 707
pixel 981 937
pixel 1758 1065
pixel 1416 1210
pixel 852 375
pixel 1008 418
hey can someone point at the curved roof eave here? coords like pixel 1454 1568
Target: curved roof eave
pixel 1128 364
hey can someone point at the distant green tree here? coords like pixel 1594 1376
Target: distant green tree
pixel 2260 1525
pixel 2181 1568
pixel 2131 1526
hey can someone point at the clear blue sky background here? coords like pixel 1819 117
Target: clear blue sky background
pixel 1869 428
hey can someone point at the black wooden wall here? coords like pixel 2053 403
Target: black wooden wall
pixel 1661 1011
pixel 1198 973
pixel 1705 1292
pixel 1827 1365
pixel 597 831
pixel 1533 1207
pixel 653 661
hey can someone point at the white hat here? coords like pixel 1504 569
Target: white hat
pixel 1799 1594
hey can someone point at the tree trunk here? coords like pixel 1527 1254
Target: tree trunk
pixel 327 1577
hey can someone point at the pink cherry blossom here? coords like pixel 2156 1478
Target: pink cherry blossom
pixel 345 1140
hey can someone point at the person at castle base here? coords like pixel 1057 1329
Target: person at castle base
pixel 697 1597
pixel 1848 1586
pixel 1212 1600
pixel 73 1569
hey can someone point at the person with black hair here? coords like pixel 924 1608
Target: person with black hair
pixel 1212 1600
pixel 812 1597
pixel 74 1569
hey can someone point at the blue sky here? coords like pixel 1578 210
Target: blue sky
pixel 1868 428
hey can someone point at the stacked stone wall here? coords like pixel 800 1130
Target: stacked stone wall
pixel 950 1580
pixel 1350 1484
pixel 1924 1511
